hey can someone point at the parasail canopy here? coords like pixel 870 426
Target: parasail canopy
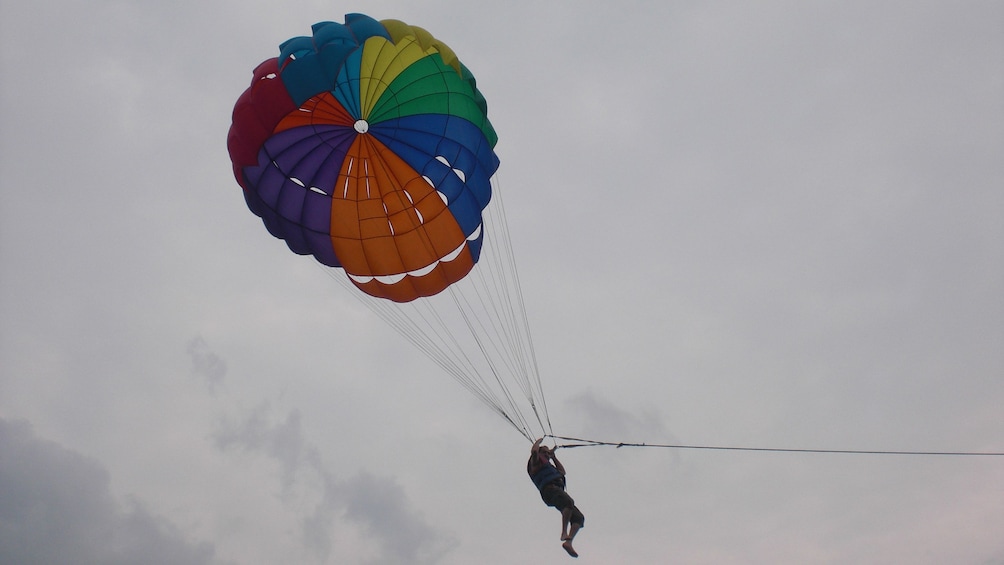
pixel 368 146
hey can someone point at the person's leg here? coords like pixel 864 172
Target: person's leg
pixel 565 515
pixel 572 530
pixel 567 546
pixel 576 520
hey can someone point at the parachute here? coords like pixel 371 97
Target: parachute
pixel 368 146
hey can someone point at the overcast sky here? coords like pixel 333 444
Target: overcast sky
pixel 769 224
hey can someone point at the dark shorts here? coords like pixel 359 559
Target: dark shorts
pixel 555 496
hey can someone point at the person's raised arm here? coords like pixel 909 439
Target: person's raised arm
pixel 533 463
pixel 557 464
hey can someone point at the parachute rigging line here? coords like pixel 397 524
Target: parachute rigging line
pixel 477 330
pixel 594 443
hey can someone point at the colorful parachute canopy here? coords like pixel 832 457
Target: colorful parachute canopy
pixel 368 146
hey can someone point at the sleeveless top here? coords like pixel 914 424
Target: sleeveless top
pixel 545 476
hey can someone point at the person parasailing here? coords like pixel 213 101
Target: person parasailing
pixel 548 475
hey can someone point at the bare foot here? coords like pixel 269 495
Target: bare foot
pixel 567 546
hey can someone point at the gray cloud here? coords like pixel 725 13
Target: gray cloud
pixel 56 507
pixel 381 506
pixel 207 364
pixel 282 441
pixel 602 420
pixel 376 504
